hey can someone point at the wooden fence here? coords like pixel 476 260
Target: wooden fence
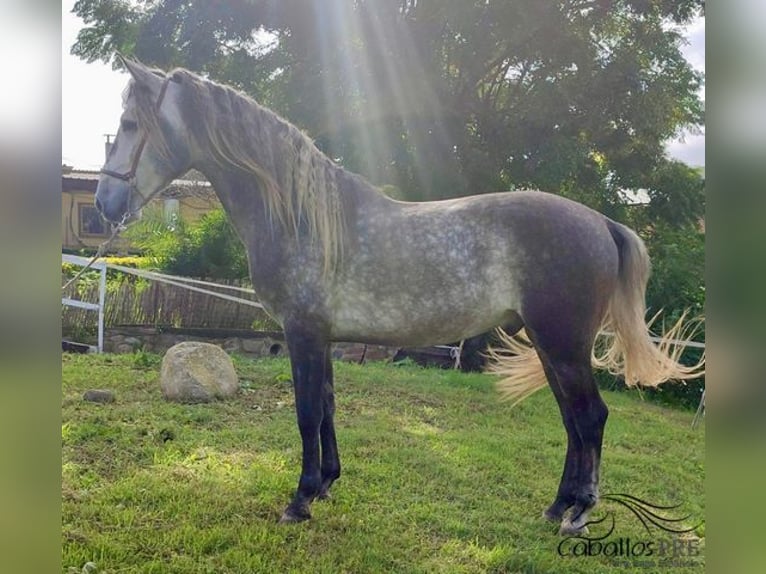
pixel 157 304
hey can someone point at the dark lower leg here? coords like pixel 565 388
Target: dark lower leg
pixel 567 491
pixel 590 427
pixel 330 457
pixel 584 415
pixel 308 355
pixel 570 478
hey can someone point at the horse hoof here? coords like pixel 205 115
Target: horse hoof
pixel 568 528
pixel 555 512
pixel 290 516
pixel 552 516
pixel 324 495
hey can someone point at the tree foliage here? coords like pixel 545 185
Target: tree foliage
pixel 442 98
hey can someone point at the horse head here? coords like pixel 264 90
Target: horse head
pixel 150 148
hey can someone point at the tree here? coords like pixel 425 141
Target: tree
pixel 442 98
pixel 673 228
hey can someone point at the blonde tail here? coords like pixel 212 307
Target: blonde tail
pixel 625 348
pixel 517 362
pixel 629 350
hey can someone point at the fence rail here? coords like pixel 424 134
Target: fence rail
pixel 87 307
pixel 153 303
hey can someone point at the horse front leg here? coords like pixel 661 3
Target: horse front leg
pixel 330 457
pixel 309 355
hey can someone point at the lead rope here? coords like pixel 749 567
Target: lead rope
pixel 101 249
pixel 130 177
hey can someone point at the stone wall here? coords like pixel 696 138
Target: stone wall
pixel 128 339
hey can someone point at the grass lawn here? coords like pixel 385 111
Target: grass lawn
pixel 438 476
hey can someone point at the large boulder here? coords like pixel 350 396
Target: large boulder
pixel 194 372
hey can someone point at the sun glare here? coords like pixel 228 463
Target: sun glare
pixel 380 62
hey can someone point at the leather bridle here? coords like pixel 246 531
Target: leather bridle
pixel 130 176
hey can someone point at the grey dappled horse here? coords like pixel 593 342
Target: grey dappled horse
pixel 334 259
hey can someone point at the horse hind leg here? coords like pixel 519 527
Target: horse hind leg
pixel 567 491
pixel 587 413
pixel 584 415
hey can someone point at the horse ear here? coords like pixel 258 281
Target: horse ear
pixel 127 63
pixel 140 73
pixel 134 67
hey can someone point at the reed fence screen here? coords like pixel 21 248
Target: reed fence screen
pixel 159 304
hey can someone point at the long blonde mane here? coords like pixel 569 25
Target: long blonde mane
pixel 298 182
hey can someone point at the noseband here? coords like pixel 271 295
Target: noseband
pixel 130 176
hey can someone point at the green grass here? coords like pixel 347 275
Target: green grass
pixel 438 475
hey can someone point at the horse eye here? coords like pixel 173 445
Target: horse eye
pixel 128 125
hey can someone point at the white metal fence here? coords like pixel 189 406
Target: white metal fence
pixel 101 267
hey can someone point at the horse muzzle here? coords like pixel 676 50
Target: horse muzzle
pixel 112 199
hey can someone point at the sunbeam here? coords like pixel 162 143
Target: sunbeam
pixel 370 57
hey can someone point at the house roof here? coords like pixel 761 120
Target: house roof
pixel 194 183
pixel 79 181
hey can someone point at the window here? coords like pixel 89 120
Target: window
pixel 171 208
pixel 91 222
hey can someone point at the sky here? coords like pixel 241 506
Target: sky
pixel 92 100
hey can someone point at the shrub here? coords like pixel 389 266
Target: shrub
pixel 208 248
pixel 113 278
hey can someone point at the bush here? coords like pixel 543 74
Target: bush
pixel 113 278
pixel 677 282
pixel 208 248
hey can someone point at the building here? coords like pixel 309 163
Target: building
pixel 83 228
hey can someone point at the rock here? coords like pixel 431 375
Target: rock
pixel 89 568
pixel 232 345
pixel 253 346
pixel 194 372
pixel 98 396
